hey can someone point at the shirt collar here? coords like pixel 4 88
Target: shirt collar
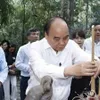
pixel 28 43
pixel 46 44
pixel 96 42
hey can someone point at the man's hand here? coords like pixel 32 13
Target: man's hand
pixel 86 69
pixel 82 69
pixel 98 71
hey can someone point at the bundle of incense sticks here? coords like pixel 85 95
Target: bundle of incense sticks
pixel 92 92
pixel 93 95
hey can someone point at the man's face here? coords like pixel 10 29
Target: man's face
pixel 5 46
pixel 97 32
pixel 34 36
pixel 58 35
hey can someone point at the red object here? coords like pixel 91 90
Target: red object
pixel 98 97
pixel 92 98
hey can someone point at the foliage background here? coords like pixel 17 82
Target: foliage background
pixel 17 16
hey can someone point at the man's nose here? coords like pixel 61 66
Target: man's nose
pixel 79 39
pixel 61 41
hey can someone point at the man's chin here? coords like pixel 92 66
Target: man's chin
pixel 60 49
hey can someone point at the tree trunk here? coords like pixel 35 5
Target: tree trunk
pixel 67 10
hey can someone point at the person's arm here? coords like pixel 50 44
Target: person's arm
pixel 81 69
pixel 82 61
pixel 40 68
pixel 3 67
pixel 98 71
pixel 20 63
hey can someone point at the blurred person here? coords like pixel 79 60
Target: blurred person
pixel 3 72
pixel 57 52
pixel 5 45
pixel 79 36
pixel 22 61
pixel 88 45
pixel 82 84
pixel 10 85
pixel 88 42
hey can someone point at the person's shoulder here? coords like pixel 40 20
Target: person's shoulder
pixel 23 46
pixel 1 50
pixel 71 42
pixel 87 42
pixel 38 43
pixel 89 39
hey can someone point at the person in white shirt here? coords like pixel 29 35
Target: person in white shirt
pixel 22 61
pixel 79 85
pixel 10 84
pixel 58 54
pixel 88 42
pixel 88 45
pixel 3 72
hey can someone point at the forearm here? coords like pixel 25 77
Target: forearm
pixel 22 67
pixel 81 69
pixel 70 71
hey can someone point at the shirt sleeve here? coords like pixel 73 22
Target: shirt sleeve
pixel 20 63
pixel 80 55
pixel 3 67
